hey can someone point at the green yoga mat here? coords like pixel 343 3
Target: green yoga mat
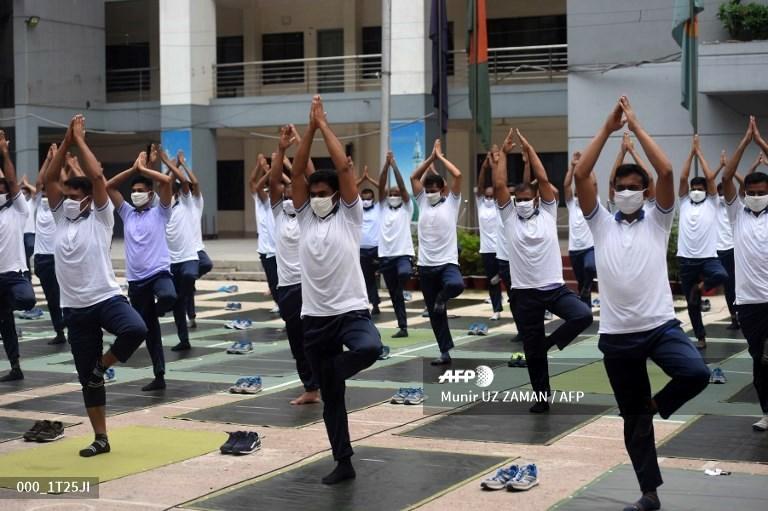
pixel 415 336
pixel 135 449
pixel 592 379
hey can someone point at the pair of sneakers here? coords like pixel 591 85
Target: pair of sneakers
pixel 240 348
pixel 241 442
pixel 35 313
pixel 246 385
pixel 45 431
pixel 239 324
pixel 234 306
pixel 228 289
pixel 514 478
pixel 478 329
pixel 408 396
pixel 717 376
pixel 517 360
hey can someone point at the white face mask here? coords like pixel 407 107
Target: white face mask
pixel 322 206
pixel 434 197
pixel 139 198
pixel 3 199
pixel 367 203
pixel 44 203
pixel 525 208
pixel 395 202
pixel 756 203
pixel 697 195
pixel 72 208
pixel 629 201
pixel 288 207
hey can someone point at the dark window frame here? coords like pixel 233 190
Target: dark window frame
pixel 282 46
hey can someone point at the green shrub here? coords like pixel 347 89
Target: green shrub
pixel 744 22
pixel 470 261
pixel 673 270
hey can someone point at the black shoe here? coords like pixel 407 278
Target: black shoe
pixel 706 305
pixel 701 344
pixel 15 374
pixel 539 407
pixel 59 339
pixel 375 311
pixel 51 431
pixel 440 307
pixel 31 435
pixel 157 384
pixel 247 443
pixel 403 332
pixel 648 502
pixel 444 360
pixel 234 437
pixel 98 446
pixel 342 472
pixel 734 325
pixel 182 346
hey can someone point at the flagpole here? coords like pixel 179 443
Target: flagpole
pixel 440 70
pixel 386 75
pixel 694 77
pixel 473 145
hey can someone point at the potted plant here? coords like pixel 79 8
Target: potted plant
pixel 744 22
pixel 673 269
pixel 470 262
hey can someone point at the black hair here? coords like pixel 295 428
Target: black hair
pixel 524 187
pixel 699 180
pixel 755 179
pixel 142 180
pixel 330 177
pixel 176 186
pixel 434 179
pixel 366 190
pixel 80 183
pixel 719 188
pixel 628 169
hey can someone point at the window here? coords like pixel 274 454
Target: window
pixel 371 46
pixel 230 176
pixel 530 31
pixel 128 67
pixel 229 79
pixel 283 47
pixel 556 165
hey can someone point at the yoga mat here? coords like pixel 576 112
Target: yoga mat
pixel 36 379
pixel 141 358
pixel 592 379
pixel 718 331
pixel 510 423
pixel 746 395
pixel 418 370
pixel 260 334
pixel 134 449
pixel 252 364
pixel 33 348
pixel 121 397
pixel 275 409
pixel 683 490
pixel 387 479
pixel 716 352
pixel 716 437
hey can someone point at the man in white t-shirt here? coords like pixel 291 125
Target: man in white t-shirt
pixel 181 237
pixel 438 262
pixel 90 295
pixel 29 225
pixel 287 239
pixel 581 246
pixel 488 222
pixel 369 242
pixel 536 267
pixel 637 318
pixel 725 254
pixel 395 241
pixel 750 239
pixel 700 269
pixel 265 222
pixel 334 303
pixel 16 291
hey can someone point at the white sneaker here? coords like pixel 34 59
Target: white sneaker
pixel 547 315
pixel 275 310
pixel 761 425
pixel 496 316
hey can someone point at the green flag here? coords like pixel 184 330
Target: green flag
pixel 479 83
pixel 685 31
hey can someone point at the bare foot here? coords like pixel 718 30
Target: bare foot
pixel 307 398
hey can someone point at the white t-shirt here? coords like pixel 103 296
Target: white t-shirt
pixel 265 221
pixel 198 204
pixel 371 219
pixel 579 235
pixel 329 251
pixel 533 248
pixel 395 230
pixel 437 230
pixel 488 221
pixel 29 223
pixel 180 230
pixel 632 263
pixel 82 256
pixel 501 238
pixel 750 243
pixel 12 219
pixel 697 234
pixel 45 227
pixel 287 238
pixel 724 228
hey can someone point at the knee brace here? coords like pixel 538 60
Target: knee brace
pixel 94 397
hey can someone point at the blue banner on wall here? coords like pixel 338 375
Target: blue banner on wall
pixel 407 140
pixel 174 141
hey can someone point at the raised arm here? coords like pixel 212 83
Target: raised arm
pixel 309 169
pixel 665 186
pixel 479 190
pixel 416 184
pixel 299 185
pixel 685 172
pixel 758 137
pixel 177 174
pixel 90 165
pixel 342 163
pixel 193 181
pixel 498 163
pixel 729 189
pixel 545 190
pixel 400 182
pixel 452 169
pixel 708 174
pixel 758 161
pixel 113 185
pixel 9 171
pixel 568 181
pixel 625 143
pixel 276 185
pixel 53 176
pixel 384 177
pixel 723 162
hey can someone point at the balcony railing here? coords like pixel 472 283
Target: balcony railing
pixel 298 76
pixel 514 64
pixel 363 72
pixel 133 84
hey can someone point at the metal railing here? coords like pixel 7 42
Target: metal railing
pixel 132 84
pixel 514 64
pixel 345 73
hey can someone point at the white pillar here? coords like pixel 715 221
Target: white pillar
pixel 410 35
